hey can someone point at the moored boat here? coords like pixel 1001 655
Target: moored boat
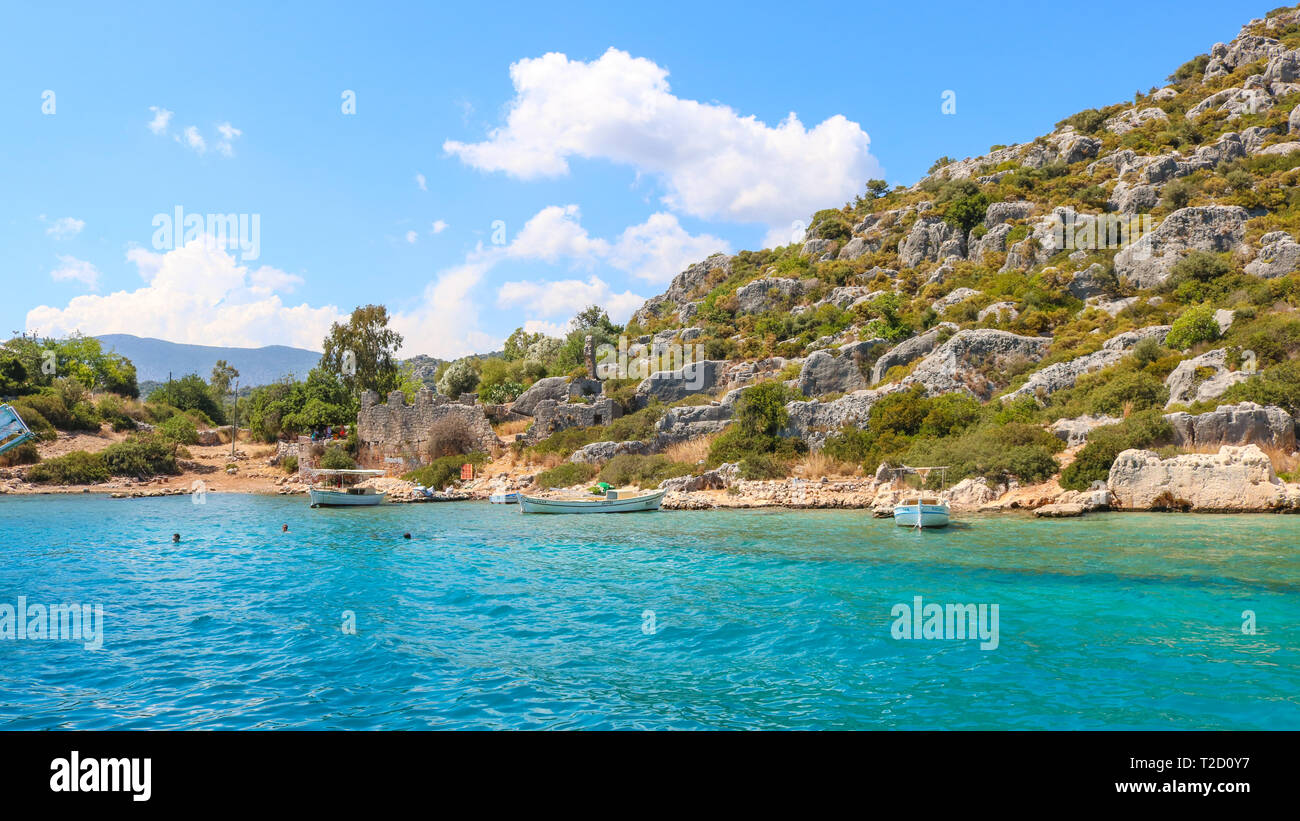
pixel 928 510
pixel 614 502
pixel 504 498
pixel 933 513
pixel 339 493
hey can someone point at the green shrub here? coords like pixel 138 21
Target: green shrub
pixel 1139 388
pixel 34 419
pixel 445 471
pixel 289 464
pixel 336 458
pixel 760 466
pixel 179 430
pixel 643 471
pixel 996 452
pixel 1093 462
pixel 1194 326
pixel 566 475
pixel 24 454
pixel 75 468
pixel 1278 385
pixel 141 457
pixel 761 409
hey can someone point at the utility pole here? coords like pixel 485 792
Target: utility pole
pixel 234 420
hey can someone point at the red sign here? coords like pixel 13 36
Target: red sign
pixel 466 472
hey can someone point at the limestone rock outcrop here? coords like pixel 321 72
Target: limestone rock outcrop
pixel 1218 228
pixel 968 360
pixel 1241 424
pixel 844 370
pixel 1236 479
pixel 1189 382
pixel 910 350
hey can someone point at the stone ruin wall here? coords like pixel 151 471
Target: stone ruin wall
pixel 550 416
pixel 395 435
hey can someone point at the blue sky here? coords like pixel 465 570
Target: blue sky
pixel 626 143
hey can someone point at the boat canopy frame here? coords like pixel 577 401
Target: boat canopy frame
pixel 13 430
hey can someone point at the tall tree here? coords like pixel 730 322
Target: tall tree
pixel 363 353
pixel 222 375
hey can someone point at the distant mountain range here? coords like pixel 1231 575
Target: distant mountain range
pixel 155 358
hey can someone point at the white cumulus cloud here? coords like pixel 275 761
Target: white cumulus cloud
pixel 228 136
pixel 65 228
pixel 76 270
pixel 567 297
pixel 195 140
pixel 438 226
pixel 196 294
pixel 714 162
pixel 421 182
pixel 161 118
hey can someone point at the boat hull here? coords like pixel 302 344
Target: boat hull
pixel 504 498
pixel 636 504
pixel 334 498
pixel 921 515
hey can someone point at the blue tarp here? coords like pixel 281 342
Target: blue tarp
pixel 12 430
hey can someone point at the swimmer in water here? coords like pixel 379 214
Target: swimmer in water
pixel 176 537
pixel 406 535
pixel 284 528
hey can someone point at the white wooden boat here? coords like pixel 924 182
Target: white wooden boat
pixel 340 490
pixel 504 498
pixel 928 510
pixel 925 513
pixel 614 502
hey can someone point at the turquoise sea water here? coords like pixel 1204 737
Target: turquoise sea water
pixel 759 619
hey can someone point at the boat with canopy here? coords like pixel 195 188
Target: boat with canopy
pixel 929 509
pixel 339 488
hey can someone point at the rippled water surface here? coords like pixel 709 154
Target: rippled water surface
pixel 748 619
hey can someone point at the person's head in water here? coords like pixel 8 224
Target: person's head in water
pixel 176 537
pixel 406 535
pixel 284 528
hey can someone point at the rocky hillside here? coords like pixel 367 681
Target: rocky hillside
pixel 1083 289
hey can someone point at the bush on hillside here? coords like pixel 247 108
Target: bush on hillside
pixel 445 471
pixel 566 474
pixel 75 468
pixel 141 457
pixel 1093 462
pixel 1194 326
pixel 642 471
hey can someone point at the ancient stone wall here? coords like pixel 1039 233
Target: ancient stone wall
pixel 398 431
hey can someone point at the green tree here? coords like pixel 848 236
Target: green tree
pixel 517 344
pixel 190 392
pixel 460 377
pixel 363 352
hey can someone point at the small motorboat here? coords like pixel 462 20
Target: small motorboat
pixel 504 498
pixel 614 501
pixel 340 489
pixel 928 510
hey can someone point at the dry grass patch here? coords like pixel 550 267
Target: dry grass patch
pixel 508 430
pixel 817 464
pixel 691 452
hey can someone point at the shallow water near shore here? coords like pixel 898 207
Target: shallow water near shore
pixel 487 618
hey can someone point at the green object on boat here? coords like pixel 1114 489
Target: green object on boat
pixel 600 487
